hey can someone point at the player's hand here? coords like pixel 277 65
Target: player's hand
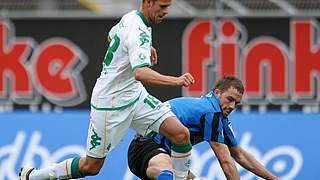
pixel 186 80
pixel 154 56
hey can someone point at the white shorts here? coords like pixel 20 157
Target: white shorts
pixel 107 128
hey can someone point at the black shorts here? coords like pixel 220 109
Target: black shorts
pixel 140 151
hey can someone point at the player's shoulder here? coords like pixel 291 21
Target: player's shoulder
pixel 183 99
pixel 135 17
pixel 125 24
pixel 129 15
pixel 187 102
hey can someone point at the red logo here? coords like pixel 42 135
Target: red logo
pixel 271 70
pixel 29 71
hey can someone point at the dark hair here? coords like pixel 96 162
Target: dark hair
pixel 230 81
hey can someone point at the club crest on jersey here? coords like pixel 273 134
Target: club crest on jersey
pixel 142 56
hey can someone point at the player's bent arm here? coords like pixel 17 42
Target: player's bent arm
pixel 247 161
pixel 149 76
pixel 226 162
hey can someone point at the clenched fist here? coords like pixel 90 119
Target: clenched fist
pixel 186 80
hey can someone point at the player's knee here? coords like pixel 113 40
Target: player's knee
pixel 183 136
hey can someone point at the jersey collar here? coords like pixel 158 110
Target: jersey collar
pixel 214 101
pixel 143 18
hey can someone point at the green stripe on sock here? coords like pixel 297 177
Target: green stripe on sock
pixel 75 168
pixel 181 148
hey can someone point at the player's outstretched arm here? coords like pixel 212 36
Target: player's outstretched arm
pixel 247 161
pixel 226 162
pixel 149 76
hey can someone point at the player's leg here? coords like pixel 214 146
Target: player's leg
pixel 175 131
pixel 148 160
pixel 76 167
pixel 90 166
pixel 105 131
pixel 160 167
pixel 72 168
pixel 152 115
pixel 178 134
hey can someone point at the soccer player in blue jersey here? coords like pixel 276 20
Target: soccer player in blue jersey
pixel 207 120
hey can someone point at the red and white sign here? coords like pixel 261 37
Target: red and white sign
pixel 272 71
pixel 29 71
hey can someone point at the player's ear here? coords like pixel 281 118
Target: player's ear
pixel 217 92
pixel 148 2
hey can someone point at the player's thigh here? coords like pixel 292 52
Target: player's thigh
pixel 140 151
pixel 149 115
pixel 158 163
pixel 174 130
pixel 106 129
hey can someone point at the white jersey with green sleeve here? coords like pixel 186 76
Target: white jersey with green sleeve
pixel 130 48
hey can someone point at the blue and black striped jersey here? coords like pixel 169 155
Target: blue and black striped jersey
pixel 204 119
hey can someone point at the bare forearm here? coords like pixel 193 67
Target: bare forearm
pixel 230 170
pixel 226 162
pixel 150 76
pixel 247 161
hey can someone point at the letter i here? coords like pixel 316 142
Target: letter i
pixel 228 48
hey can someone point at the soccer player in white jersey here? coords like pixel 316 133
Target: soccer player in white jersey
pixel 119 100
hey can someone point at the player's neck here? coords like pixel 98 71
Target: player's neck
pixel 145 12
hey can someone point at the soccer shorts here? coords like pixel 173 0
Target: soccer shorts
pixel 107 128
pixel 140 152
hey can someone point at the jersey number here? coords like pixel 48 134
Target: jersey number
pixel 151 101
pixel 114 44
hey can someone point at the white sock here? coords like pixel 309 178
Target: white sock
pixel 61 170
pixel 40 173
pixel 181 162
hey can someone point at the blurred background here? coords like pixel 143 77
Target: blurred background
pixel 51 53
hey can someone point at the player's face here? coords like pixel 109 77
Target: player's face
pixel 229 100
pixel 159 9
